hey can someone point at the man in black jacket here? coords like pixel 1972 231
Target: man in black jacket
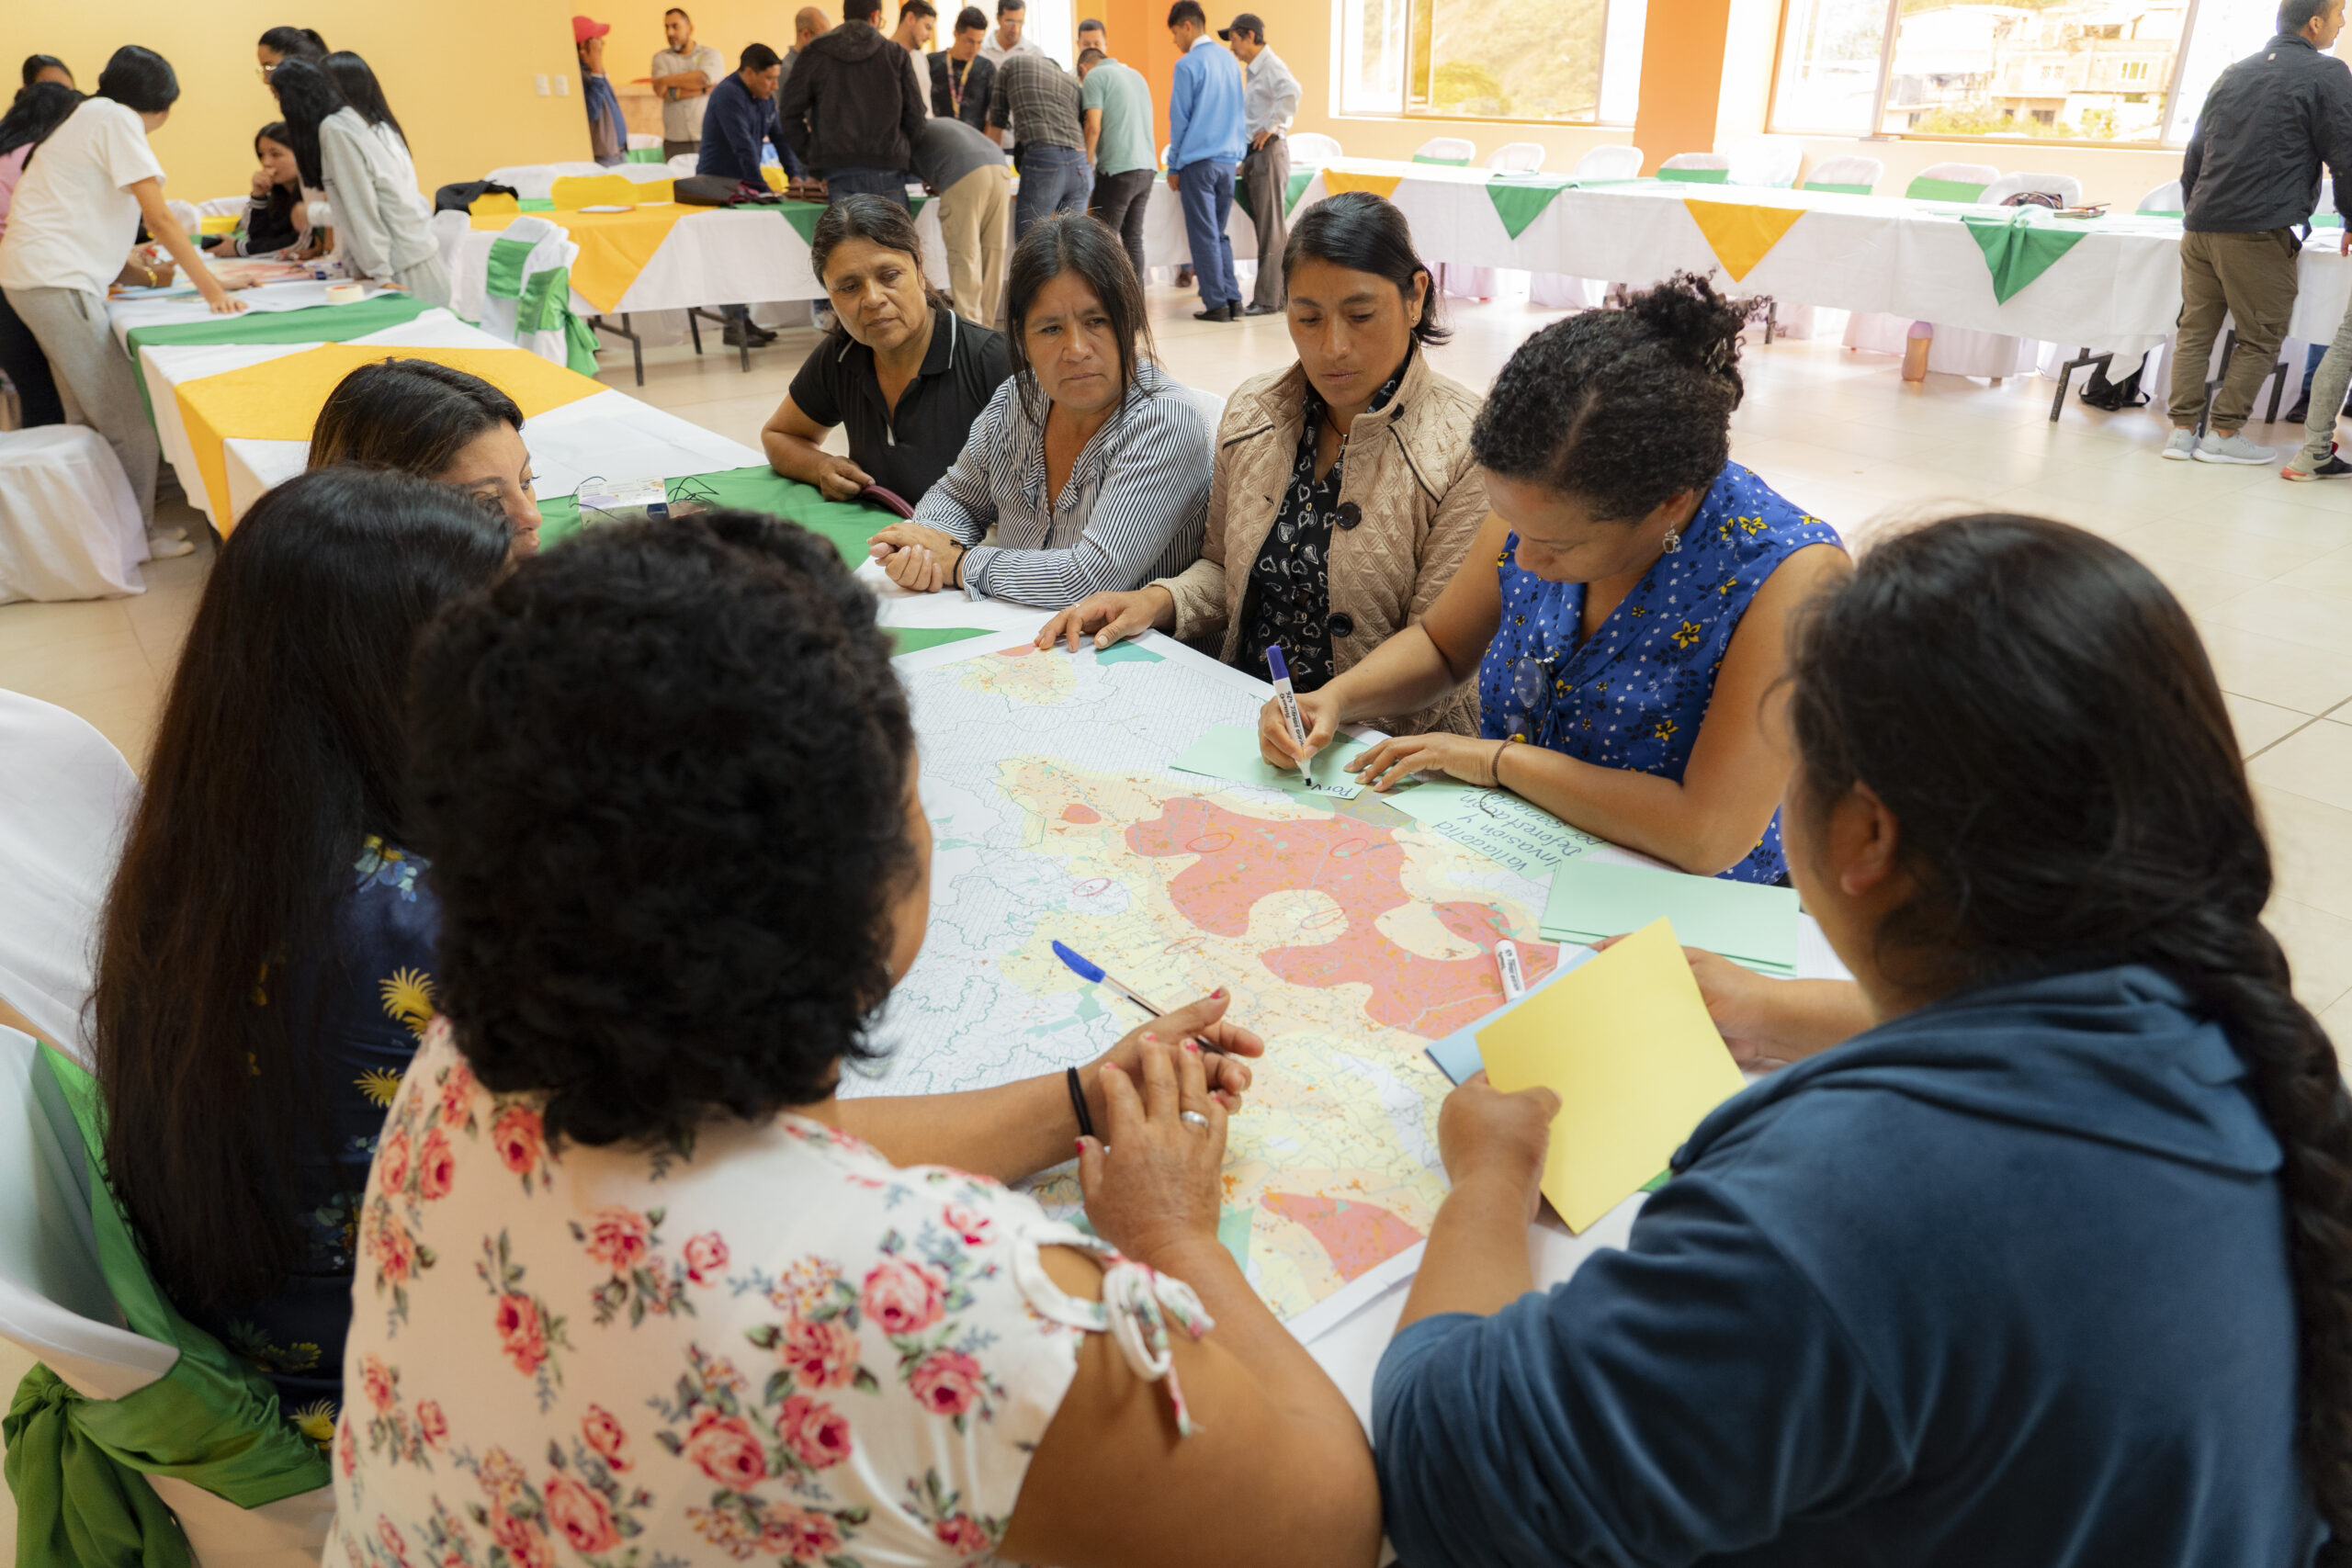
pixel 2248 182
pixel 961 77
pixel 852 107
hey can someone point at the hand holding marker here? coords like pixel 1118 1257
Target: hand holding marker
pixel 1288 698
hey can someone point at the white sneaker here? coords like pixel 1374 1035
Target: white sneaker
pixel 162 548
pixel 2236 449
pixel 2182 448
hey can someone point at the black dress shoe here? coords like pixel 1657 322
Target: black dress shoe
pixel 2300 412
pixel 1216 313
pixel 1263 311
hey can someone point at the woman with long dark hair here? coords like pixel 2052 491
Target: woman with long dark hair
pixel 2050 1263
pixel 439 423
pixel 276 219
pixel 39 108
pixel 38 68
pixel 1346 493
pixel 357 82
pixel 1126 449
pixel 1627 643
pixel 281 44
pixel 372 204
pixel 266 959
pixel 900 369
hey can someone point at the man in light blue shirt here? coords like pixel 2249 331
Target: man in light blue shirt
pixel 1267 101
pixel 1205 140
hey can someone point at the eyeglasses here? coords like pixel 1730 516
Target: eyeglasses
pixel 1533 688
pixel 263 71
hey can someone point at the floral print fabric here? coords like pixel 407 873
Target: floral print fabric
pixel 356 999
pixel 1289 597
pixel 779 1349
pixel 1634 694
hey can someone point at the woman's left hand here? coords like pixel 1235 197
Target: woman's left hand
pixel 1465 757
pixel 1151 1179
pixel 911 567
pixel 1204 1020
pixel 901 535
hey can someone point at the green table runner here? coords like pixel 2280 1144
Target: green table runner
pixel 803 215
pixel 1520 200
pixel 646 155
pixel 1449 163
pixel 848 524
pixel 319 323
pixel 1696 176
pixel 1840 189
pixel 1925 189
pixel 2016 250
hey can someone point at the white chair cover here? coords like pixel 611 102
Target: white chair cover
pixel 552 246
pixel 684 165
pixel 1312 149
pixel 1964 173
pixel 223 206
pixel 1700 160
pixel 449 230
pixel 640 141
pixel 2065 188
pixel 1447 149
pixel 54 1304
pixel 1516 158
pixel 186 215
pixel 2168 196
pixel 69 525
pixel 1768 160
pixel 1559 290
pixel 65 797
pixel 1848 169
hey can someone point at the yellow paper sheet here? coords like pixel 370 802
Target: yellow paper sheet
pixel 278 399
pixel 1739 234
pixel 1382 185
pixel 614 246
pixel 1626 1044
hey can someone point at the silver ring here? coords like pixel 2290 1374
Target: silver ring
pixel 1193 1119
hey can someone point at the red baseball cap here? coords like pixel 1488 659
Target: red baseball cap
pixel 585 27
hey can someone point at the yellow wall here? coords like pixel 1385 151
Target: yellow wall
pixel 459 75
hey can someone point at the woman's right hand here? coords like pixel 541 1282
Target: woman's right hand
pixel 216 296
pixel 1111 617
pixel 1484 1134
pixel 839 479
pixel 1319 711
pixel 261 184
pixel 1152 1181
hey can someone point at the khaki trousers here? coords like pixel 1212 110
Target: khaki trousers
pixel 975 215
pixel 2252 278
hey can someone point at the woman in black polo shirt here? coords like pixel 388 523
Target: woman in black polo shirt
pixel 903 371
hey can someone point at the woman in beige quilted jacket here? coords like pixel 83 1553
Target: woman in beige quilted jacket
pixel 1344 495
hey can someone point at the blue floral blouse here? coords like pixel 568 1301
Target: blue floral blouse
pixel 1634 695
pixel 361 1005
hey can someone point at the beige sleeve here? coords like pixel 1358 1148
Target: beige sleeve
pixel 1458 512
pixel 1199 589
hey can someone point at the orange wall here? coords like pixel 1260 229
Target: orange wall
pixel 1682 74
pixel 1139 37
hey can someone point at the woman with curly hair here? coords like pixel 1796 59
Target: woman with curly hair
pixel 660 1284
pixel 2050 1262
pixel 265 963
pixel 1630 635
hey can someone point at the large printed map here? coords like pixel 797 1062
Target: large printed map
pixel 1350 936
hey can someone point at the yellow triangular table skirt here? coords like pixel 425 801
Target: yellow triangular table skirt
pixel 1741 235
pixel 614 246
pixel 1382 185
pixel 278 399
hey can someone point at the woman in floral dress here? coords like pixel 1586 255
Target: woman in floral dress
pixel 638 1290
pixel 265 966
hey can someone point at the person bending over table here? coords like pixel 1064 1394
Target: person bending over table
pixel 726 1308
pixel 40 108
pixel 439 423
pixel 266 958
pixel 1632 632
pixel 72 218
pixel 1091 464
pixel 1355 547
pixel 371 201
pixel 2048 1264
pixel 901 370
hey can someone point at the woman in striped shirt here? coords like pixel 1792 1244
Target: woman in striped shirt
pixel 1091 464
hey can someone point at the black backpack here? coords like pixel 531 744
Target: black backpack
pixel 2098 392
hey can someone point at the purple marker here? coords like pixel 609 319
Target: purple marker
pixel 1288 698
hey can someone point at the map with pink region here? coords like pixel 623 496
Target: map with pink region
pixel 1350 937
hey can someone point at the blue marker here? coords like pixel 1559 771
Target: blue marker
pixel 1287 697
pixel 1086 969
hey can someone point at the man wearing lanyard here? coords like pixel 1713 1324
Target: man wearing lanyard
pixel 1269 99
pixel 961 77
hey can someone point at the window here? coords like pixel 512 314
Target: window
pixel 1579 63
pixel 2059 70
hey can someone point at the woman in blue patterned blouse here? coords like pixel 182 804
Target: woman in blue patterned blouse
pixel 266 962
pixel 1640 576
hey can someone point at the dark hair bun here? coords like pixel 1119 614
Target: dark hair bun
pixel 1696 324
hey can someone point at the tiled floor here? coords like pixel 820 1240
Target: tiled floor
pixel 2265 566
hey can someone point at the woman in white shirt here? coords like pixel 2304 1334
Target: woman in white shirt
pixel 371 205
pixel 357 82
pixel 75 215
pixel 635 1282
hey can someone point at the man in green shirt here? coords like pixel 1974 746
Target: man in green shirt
pixel 1117 104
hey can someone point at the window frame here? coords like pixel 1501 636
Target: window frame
pixel 1876 131
pixel 1410 60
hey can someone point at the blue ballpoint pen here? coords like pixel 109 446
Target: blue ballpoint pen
pixel 1086 969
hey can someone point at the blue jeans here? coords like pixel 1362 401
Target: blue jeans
pixel 1207 192
pixel 1053 179
pixel 890 183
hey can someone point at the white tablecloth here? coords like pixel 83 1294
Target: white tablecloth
pixel 2119 288
pixel 607 434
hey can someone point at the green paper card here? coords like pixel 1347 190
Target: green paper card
pixel 1754 924
pixel 1230 751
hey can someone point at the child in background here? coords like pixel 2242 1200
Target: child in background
pixel 277 221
